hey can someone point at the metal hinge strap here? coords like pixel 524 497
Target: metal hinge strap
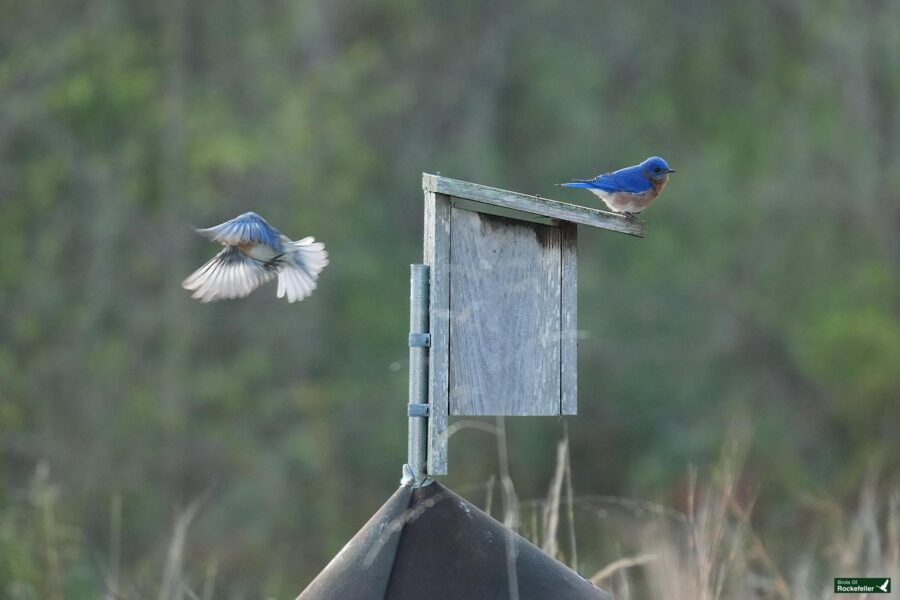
pixel 419 340
pixel 417 410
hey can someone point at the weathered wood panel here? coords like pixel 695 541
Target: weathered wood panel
pixel 504 316
pixel 568 339
pixel 437 257
pixel 532 204
pixel 490 209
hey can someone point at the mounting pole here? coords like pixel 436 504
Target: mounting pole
pixel 414 471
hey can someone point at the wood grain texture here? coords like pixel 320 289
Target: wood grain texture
pixel 504 316
pixel 490 209
pixel 568 339
pixel 437 257
pixel 532 204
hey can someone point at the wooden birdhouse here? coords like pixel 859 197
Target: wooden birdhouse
pixel 503 303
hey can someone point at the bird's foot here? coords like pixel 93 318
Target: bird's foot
pixel 630 216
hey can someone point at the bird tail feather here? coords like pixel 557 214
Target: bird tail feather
pixel 301 267
pixel 578 183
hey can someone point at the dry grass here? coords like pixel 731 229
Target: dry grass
pixel 710 551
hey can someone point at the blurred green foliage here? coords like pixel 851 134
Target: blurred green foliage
pixel 766 295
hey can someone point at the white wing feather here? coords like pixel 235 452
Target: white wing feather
pixel 301 267
pixel 229 274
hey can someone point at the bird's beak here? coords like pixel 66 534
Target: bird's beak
pixel 670 171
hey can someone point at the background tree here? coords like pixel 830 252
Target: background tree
pixel 767 292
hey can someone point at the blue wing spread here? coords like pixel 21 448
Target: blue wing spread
pixel 245 229
pixel 629 179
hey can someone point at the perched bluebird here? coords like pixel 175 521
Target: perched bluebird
pixel 629 190
pixel 255 253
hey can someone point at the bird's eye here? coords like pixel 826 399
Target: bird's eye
pixel 656 169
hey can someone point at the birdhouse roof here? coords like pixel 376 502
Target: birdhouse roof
pixel 529 208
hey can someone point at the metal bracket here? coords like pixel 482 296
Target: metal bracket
pixel 419 340
pixel 417 410
pixel 409 478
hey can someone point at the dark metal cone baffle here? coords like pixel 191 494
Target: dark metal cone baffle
pixel 432 543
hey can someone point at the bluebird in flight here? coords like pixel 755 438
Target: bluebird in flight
pixel 255 253
pixel 629 190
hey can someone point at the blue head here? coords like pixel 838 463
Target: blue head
pixel 656 169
